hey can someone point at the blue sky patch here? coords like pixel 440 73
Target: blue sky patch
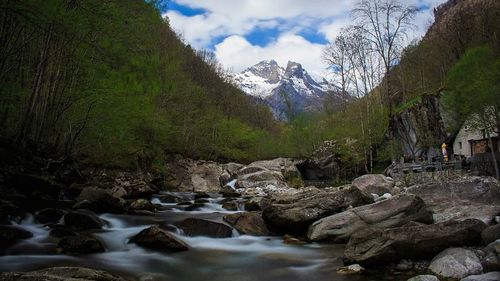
pixel 185 10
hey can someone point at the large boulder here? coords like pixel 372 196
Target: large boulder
pixel 324 164
pixel 469 197
pixel 395 211
pixel 374 184
pixel 81 244
pixel 491 233
pixel 132 188
pixel 39 191
pixel 490 276
pixel 379 246
pixel 192 176
pixel 101 201
pixel 61 274
pixel 456 263
pixel 254 176
pixel 158 239
pixel 83 220
pixel 296 212
pixel 141 205
pixel 491 259
pixel 49 215
pixel 250 223
pixel 10 234
pixel 202 227
pixel 8 211
pixel 424 278
pixel 286 168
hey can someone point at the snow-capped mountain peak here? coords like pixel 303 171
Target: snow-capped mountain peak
pixel 269 81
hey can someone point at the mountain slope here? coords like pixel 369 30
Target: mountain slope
pixel 288 91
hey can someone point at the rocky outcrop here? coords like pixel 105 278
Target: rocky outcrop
pixel 418 121
pixel 324 164
pixel 81 244
pixel 61 274
pixel 396 211
pixel 296 212
pixel 456 263
pixel 202 227
pixel 376 246
pixel 250 223
pixel 469 197
pixel 374 184
pixel 279 172
pixel 158 239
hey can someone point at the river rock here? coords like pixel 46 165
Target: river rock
pixel 253 204
pixel 232 168
pixel 324 163
pixel 250 223
pixel 491 233
pixel 285 167
pixel 396 211
pixel 490 276
pixel 230 206
pixel 456 263
pixel 175 198
pixel 49 215
pixel 491 259
pixel 81 244
pixel 424 278
pixel 158 239
pixel 40 191
pixel 132 189
pixel 61 274
pixel 202 227
pixel 83 220
pixel 380 246
pixel 10 234
pixel 192 176
pixel 141 205
pixel 351 269
pixel 296 212
pixel 8 211
pixel 469 197
pixel 374 184
pixel 101 201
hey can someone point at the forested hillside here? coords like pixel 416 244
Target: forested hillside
pixel 110 82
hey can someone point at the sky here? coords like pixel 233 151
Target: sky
pixel 242 33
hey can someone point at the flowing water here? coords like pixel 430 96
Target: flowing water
pixel 239 258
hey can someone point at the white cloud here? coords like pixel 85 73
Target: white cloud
pixel 231 20
pixel 237 53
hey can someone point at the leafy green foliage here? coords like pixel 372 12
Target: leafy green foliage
pixel 474 87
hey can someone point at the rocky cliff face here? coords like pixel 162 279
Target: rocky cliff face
pixel 419 128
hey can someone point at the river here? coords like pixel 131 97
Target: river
pixel 239 258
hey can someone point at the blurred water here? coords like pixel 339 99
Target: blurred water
pixel 240 257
